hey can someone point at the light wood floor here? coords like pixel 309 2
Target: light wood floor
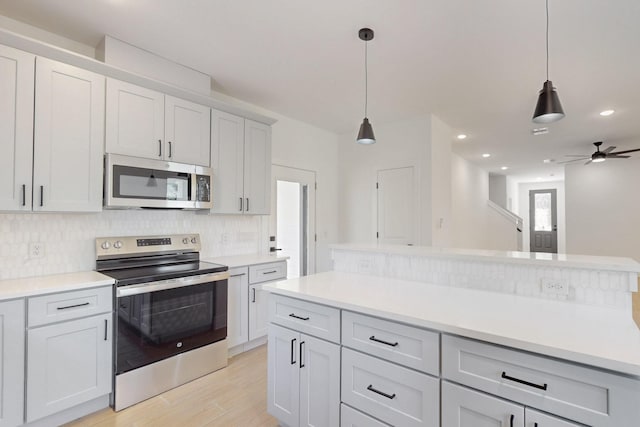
pixel 235 396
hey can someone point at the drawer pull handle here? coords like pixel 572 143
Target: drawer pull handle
pixel 73 306
pixel 392 344
pixel 270 272
pixel 293 346
pixel 381 393
pixel 518 380
pixel 511 420
pixel 298 317
pixel 237 275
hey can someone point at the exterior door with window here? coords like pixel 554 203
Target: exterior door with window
pixel 543 221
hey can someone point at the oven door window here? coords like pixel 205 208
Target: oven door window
pixel 156 325
pixel 140 183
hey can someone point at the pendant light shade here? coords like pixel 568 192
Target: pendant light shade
pixel 548 109
pixel 365 135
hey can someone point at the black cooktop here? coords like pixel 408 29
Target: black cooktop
pixel 152 273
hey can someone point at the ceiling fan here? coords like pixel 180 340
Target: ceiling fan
pixel 600 156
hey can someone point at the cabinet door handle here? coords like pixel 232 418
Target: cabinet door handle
pixel 237 275
pixel 253 299
pixel 518 380
pixel 381 393
pixel 24 195
pixel 293 346
pixel 298 317
pixel 42 195
pixel 73 306
pixel 511 420
pixel 169 149
pixel 159 148
pixel 241 199
pixel 106 322
pixel 301 354
pixel 247 207
pixel 392 344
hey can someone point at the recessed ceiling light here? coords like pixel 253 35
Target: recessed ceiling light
pixel 539 131
pixel 504 168
pixel 606 113
pixel 538 179
pixel 548 160
pixel 485 155
pixel 462 136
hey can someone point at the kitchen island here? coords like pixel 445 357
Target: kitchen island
pixel 369 349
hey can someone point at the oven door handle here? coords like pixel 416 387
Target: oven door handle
pixel 162 285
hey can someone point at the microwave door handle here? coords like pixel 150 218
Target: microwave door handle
pixel 194 189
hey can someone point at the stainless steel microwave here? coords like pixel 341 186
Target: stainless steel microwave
pixel 132 182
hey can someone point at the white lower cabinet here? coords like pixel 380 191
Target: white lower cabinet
pixel 258 311
pixel 237 307
pixel 11 363
pixel 535 418
pixel 463 407
pixel 68 363
pixel 349 417
pixel 303 379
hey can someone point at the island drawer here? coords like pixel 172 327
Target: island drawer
pixel 587 395
pixel 63 306
pixel 267 272
pixel 349 417
pixel 314 319
pixel 391 393
pixel 409 346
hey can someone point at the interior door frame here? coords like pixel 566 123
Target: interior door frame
pixel 288 173
pixel 554 218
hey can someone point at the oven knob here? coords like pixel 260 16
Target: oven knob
pixel 117 244
pixel 194 240
pixel 185 240
pixel 105 245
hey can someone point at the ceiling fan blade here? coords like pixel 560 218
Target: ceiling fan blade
pixel 627 151
pixel 578 155
pixel 615 156
pixel 589 161
pixel 609 149
pixel 573 160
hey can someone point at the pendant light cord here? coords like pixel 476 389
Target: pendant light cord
pixel 547 9
pixel 366 79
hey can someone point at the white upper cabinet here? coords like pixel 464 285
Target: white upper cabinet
pixel 144 123
pixel 68 138
pixel 134 120
pixel 186 130
pixel 241 162
pixel 16 128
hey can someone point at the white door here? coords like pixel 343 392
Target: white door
pixel 257 168
pixel 538 419
pixel 237 307
pixel 16 128
pixel 463 407
pixel 187 131
pixel 293 218
pixel 258 311
pixel 134 120
pixel 396 206
pixel 11 362
pixel 227 162
pixel 283 376
pixel 319 382
pixel 68 363
pixel 68 138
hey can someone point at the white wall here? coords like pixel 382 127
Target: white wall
pixel 475 224
pixel 498 189
pixel 523 211
pixel 440 160
pixel 602 205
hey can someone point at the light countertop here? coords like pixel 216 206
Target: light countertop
pixel 602 337
pixel 535 258
pixel 245 260
pixel 17 288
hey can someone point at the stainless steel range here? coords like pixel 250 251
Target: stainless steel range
pixel 171 313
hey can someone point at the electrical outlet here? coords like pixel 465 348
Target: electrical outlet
pixel 554 286
pixel 36 250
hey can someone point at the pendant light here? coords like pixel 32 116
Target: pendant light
pixel 365 136
pixel 548 108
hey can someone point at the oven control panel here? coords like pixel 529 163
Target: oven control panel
pixel 110 247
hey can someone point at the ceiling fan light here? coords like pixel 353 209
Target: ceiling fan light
pixel 548 109
pixel 365 135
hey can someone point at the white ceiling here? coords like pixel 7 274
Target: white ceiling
pixel 478 65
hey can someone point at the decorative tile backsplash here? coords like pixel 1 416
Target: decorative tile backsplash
pixel 68 240
pixel 604 288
